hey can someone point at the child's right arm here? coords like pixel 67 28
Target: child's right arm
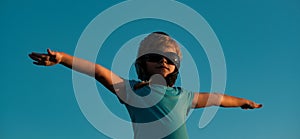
pixel 100 73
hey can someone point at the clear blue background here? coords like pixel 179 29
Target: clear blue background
pixel 260 40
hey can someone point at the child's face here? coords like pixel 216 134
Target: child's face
pixel 163 67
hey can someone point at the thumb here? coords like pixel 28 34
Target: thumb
pixel 50 52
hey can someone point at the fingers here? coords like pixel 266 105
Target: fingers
pixel 42 63
pixel 255 105
pixel 47 59
pixel 258 105
pixel 34 56
pixel 251 105
pixel 38 56
pixel 39 59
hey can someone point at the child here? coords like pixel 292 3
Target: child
pixel 156 108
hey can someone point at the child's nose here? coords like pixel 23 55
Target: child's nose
pixel 163 60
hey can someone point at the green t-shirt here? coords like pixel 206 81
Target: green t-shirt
pixel 157 111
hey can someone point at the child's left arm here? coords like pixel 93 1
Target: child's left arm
pixel 216 99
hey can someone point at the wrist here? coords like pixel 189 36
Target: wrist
pixel 60 57
pixel 65 59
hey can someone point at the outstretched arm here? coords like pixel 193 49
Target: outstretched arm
pixel 216 99
pixel 100 73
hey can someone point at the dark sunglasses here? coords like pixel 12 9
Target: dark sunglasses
pixel 172 58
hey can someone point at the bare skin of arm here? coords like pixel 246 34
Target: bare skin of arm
pixel 216 99
pixel 115 84
pixel 100 73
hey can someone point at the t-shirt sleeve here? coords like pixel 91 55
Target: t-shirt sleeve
pixel 188 97
pixel 129 84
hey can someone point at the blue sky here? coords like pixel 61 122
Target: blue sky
pixel 260 42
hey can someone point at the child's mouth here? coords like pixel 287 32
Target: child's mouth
pixel 163 67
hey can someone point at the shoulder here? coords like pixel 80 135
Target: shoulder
pixel 131 83
pixel 182 91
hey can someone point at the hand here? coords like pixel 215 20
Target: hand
pixel 251 105
pixel 49 59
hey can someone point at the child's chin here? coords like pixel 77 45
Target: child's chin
pixel 161 74
pixel 164 75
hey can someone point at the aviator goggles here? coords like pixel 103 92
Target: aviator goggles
pixel 172 58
